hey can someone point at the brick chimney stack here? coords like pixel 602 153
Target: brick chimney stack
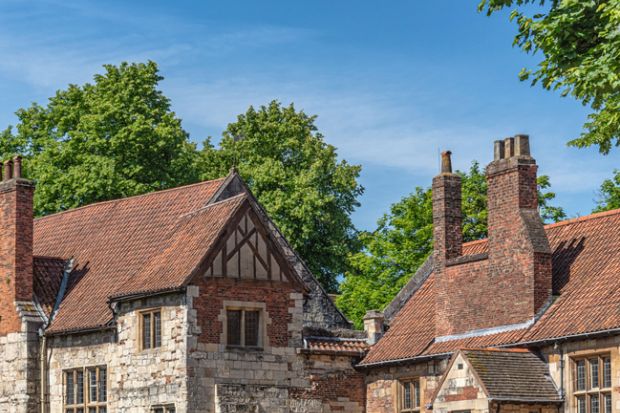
pixel 447 238
pixel 447 216
pixel 16 238
pixel 519 252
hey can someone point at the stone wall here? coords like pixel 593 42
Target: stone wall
pixel 562 373
pixel 19 370
pixel 137 379
pixel 382 384
pixel 461 390
pixel 276 378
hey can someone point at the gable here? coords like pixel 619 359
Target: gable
pixel 247 253
pixel 460 388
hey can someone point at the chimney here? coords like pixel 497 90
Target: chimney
pixel 519 252
pixel 447 238
pixel 373 326
pixel 447 231
pixel 16 237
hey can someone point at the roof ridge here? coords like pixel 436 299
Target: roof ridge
pixel 498 350
pixel 570 221
pixel 118 200
pixel 588 217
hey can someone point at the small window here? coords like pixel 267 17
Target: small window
pixel 606 372
pixel 243 328
pixel 167 408
pixel 607 403
pixel 594 364
pixel 594 406
pixel 86 390
pixel 410 396
pixel 151 329
pixel 581 404
pixel 581 374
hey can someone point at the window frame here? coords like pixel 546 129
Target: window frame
pixel 153 344
pixel 163 408
pixel 86 404
pixel 412 383
pixel 242 328
pixel 592 393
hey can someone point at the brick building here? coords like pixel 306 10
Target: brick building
pixel 525 321
pixel 190 300
pixel 185 300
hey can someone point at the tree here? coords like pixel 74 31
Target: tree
pixel 113 138
pixel 609 194
pixel 580 45
pixel 404 239
pixel 299 180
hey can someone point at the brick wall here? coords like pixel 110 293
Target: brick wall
pixel 15 250
pixel 472 292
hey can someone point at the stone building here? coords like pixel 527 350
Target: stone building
pixel 184 300
pixel 525 321
pixel 190 300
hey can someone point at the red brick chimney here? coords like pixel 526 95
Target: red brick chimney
pixel 519 252
pixel 16 232
pixel 447 236
pixel 512 282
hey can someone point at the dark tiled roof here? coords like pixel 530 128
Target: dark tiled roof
pixel 333 345
pixel 515 375
pixel 111 242
pixel 586 278
pixel 48 272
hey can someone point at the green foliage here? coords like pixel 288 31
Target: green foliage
pixel 580 44
pixel 113 138
pixel 404 239
pixel 609 194
pixel 299 180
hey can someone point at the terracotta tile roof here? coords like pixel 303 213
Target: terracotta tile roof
pixel 111 242
pixel 512 375
pixel 48 272
pixel 586 278
pixel 334 345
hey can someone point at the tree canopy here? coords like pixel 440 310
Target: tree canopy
pixel 297 177
pixel 113 138
pixel 609 194
pixel 404 239
pixel 580 44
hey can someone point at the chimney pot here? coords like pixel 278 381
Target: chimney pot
pixel 522 145
pixel 8 170
pixel 509 148
pixel 446 162
pixel 17 167
pixel 374 326
pixel 498 150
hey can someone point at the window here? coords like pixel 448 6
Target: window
pixel 151 329
pixel 86 390
pixel 607 403
pixel 410 396
pixel 592 384
pixel 168 408
pixel 243 328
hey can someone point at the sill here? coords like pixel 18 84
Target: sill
pixel 244 349
pixel 149 350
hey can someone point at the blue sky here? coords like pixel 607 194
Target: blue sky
pixel 392 82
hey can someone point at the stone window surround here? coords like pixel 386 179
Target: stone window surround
pixel 264 321
pixel 139 332
pixel 163 408
pixel 600 391
pixel 399 394
pixel 86 403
